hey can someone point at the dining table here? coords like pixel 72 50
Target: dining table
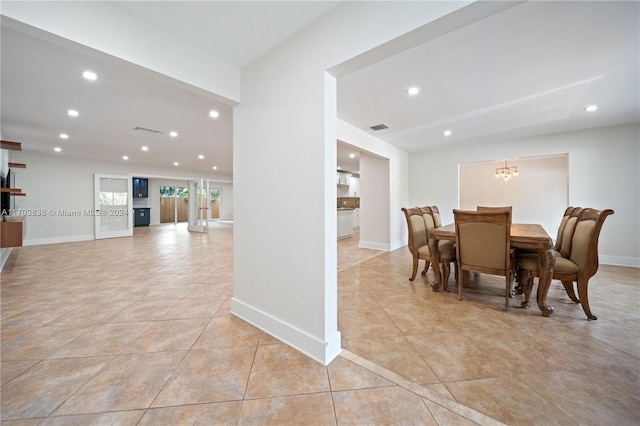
pixel 524 236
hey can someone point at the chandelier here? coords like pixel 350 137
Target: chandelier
pixel 507 171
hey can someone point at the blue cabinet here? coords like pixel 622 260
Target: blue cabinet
pixel 142 216
pixel 140 188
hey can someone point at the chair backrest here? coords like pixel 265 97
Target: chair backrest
pixel 436 216
pixel 483 241
pixel 508 209
pixel 584 250
pixel 563 222
pixel 429 222
pixel 416 227
pixel 567 233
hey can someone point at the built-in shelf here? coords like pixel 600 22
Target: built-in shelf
pixel 13 227
pixel 11 146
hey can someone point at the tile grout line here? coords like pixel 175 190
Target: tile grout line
pixel 420 390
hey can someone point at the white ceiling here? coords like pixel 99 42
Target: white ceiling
pixel 528 70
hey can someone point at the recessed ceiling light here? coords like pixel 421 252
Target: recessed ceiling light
pixel 215 167
pixel 352 156
pixel 124 157
pixel 214 114
pixel 201 156
pixel 145 148
pixel 90 75
pixel 173 134
pixel 412 91
pixel 176 163
pixel 447 133
pixel 591 108
pixel 64 136
pixel 73 113
pixel 57 149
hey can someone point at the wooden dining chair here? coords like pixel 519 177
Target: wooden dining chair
pixel 446 249
pixel 579 266
pixel 563 223
pixel 419 242
pixel 508 209
pixel 483 245
pixel 436 216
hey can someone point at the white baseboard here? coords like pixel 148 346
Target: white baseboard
pixel 58 240
pixel 374 246
pixel 322 351
pixel 4 255
pixel 620 261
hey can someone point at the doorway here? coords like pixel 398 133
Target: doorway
pixel 174 204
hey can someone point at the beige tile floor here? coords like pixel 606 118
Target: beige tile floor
pixel 138 331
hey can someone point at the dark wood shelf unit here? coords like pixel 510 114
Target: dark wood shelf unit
pixel 17 165
pixel 11 146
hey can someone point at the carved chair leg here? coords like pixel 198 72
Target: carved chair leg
pixel 568 287
pixel 584 298
pixel 426 267
pixel 457 275
pixel 461 283
pixel 526 282
pixel 507 294
pixel 415 268
pixel 446 271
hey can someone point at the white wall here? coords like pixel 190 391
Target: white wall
pixel 53 182
pixel 543 180
pixel 374 202
pixel 604 172
pixel 288 110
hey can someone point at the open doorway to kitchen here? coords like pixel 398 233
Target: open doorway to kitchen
pixel 174 204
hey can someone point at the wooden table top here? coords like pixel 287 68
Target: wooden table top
pixel 523 235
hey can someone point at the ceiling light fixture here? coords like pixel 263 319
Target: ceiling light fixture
pixel 176 163
pixel 411 91
pixel 124 157
pixel 145 148
pixel 507 171
pixel 64 136
pixel 90 75
pixel 591 108
pixel 352 156
pixel 215 167
pixel 57 149
pixel 447 133
pixel 73 113
pixel 173 134
pixel 214 114
pixel 201 156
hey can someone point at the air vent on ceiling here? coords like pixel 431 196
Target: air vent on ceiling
pixel 146 129
pixel 379 127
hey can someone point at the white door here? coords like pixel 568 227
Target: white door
pixel 199 201
pixel 113 200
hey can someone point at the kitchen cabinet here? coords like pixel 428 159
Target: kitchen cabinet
pixel 354 186
pixel 343 178
pixel 355 218
pixel 142 216
pixel 345 227
pixel 140 188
